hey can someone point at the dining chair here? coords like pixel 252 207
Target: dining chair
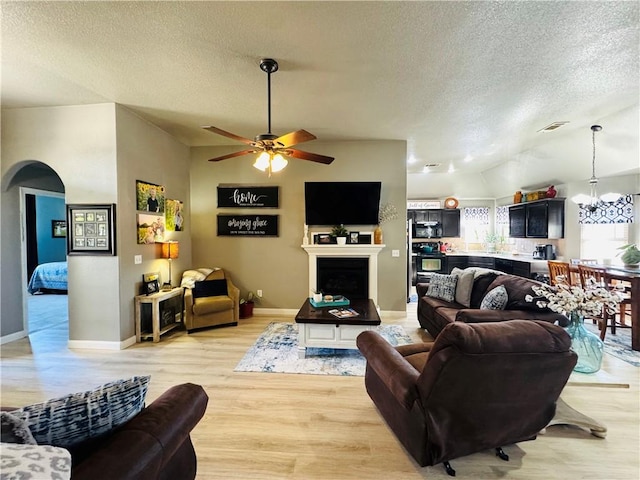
pixel 598 276
pixel 559 272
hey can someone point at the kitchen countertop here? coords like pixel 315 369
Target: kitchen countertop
pixel 536 265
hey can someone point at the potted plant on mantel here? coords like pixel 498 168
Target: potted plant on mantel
pixel 246 305
pixel 340 234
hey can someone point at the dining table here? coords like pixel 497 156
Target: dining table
pixel 632 276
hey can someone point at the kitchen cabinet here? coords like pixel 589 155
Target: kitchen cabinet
pixel 483 262
pixel 448 218
pixel 539 219
pixel 459 261
pixel 451 223
pixel 432 215
pixel 517 221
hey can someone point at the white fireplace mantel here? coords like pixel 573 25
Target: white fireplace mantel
pixel 347 251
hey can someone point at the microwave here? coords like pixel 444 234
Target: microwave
pixel 427 230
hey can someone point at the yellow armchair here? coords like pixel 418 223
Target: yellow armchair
pixel 207 306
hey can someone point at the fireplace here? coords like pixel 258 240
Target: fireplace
pixel 343 276
pixel 364 252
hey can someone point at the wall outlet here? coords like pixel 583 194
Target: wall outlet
pixel 259 293
pixel 395 253
pixel 137 259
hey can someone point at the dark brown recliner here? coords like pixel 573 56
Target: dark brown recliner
pixel 478 386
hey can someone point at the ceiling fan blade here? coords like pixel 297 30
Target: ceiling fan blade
pixel 228 134
pixel 314 157
pixel 293 138
pixel 231 155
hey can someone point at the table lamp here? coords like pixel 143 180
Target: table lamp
pixel 170 250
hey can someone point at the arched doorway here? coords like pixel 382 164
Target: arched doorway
pixel 37 204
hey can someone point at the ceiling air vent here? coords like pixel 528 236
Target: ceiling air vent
pixel 552 126
pixel 432 165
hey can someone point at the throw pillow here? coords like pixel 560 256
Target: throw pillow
pixel 464 285
pixel 35 462
pixel 71 419
pixel 210 288
pixel 443 286
pixel 189 277
pixel 15 430
pixel 496 299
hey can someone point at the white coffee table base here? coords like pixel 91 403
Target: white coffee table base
pixel 317 335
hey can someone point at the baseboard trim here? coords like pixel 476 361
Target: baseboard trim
pixel 12 337
pixel 100 345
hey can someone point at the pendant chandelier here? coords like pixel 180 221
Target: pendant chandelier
pixel 592 202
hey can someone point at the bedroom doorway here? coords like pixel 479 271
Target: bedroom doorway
pixel 43 245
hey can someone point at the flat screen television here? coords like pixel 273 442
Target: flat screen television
pixel 349 203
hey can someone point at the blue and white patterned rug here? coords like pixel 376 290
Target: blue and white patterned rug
pixel 276 351
pixel 618 345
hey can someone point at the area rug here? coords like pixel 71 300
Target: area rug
pixel 618 345
pixel 276 351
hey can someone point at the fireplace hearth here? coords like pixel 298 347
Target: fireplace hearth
pixel 344 276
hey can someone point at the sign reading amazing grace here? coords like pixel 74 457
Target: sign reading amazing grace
pixel 248 225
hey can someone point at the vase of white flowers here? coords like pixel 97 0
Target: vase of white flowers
pixel 576 303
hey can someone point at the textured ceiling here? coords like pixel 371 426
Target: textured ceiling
pixel 466 84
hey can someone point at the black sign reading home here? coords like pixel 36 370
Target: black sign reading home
pixel 248 225
pixel 247 197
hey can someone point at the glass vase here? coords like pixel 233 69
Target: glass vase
pixel 587 345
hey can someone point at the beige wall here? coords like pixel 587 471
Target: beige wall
pixel 279 266
pixel 97 163
pixel 145 152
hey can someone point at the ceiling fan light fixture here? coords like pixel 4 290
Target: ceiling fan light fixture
pixel 278 162
pixel 262 162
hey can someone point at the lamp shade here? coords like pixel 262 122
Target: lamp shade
pixel 170 250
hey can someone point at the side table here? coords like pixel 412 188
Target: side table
pixel 155 299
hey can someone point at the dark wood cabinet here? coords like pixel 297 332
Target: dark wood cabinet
pixel 484 262
pixel 522 269
pixel 545 219
pixel 448 218
pixel 539 219
pixel 517 221
pixel 459 261
pixel 432 215
pixel 451 223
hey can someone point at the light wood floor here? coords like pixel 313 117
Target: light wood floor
pixel 279 426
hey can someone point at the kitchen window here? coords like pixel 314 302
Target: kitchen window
pixel 601 241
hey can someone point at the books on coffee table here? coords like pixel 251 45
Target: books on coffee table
pixel 336 301
pixel 343 312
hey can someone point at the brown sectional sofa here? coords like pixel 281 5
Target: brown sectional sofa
pixel 153 445
pixel 434 314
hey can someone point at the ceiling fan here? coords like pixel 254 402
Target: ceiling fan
pixel 271 147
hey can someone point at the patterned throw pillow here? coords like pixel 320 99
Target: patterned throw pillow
pixel 71 419
pixel 496 299
pixel 35 462
pixel 442 286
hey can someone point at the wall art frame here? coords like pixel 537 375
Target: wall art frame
pixel 58 228
pixel 150 197
pixel 248 196
pixel 91 229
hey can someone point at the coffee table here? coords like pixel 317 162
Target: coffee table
pixel 320 329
